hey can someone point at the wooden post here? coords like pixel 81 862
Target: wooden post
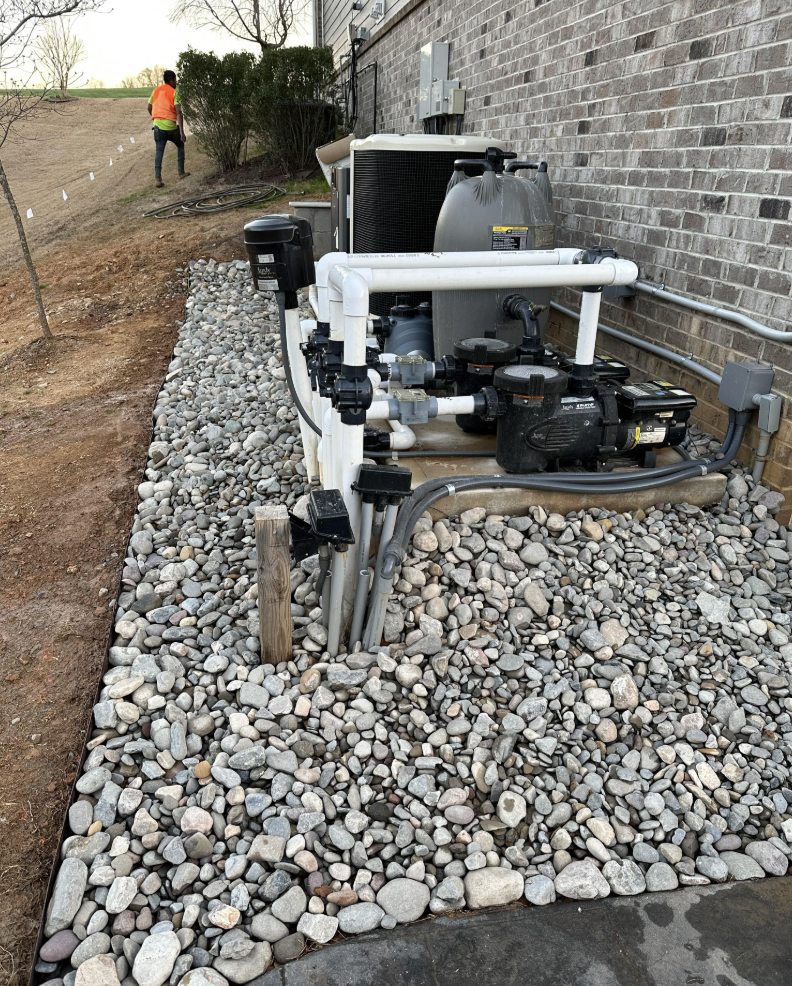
pixel 274 595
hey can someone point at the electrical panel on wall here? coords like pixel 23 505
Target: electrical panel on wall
pixel 437 94
pixel 434 69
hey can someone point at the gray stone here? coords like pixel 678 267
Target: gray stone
pixel 539 890
pixel 358 918
pixel 581 880
pixel 403 899
pixel 254 964
pixel 493 886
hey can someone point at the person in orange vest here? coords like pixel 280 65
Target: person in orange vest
pixel 166 115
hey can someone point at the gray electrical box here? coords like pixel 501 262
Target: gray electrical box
pixel 741 382
pixel 434 68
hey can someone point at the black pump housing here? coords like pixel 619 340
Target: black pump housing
pixel 479 358
pixel 542 425
pixel 280 249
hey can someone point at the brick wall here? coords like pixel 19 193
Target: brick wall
pixel 666 127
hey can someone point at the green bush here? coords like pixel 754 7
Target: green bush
pixel 215 99
pixel 293 103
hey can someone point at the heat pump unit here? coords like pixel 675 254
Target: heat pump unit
pixel 398 188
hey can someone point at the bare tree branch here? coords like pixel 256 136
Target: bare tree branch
pixel 59 50
pixel 19 16
pixel 267 23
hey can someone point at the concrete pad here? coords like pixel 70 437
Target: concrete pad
pixel 725 935
pixel 443 433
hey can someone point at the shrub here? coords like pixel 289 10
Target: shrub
pixel 293 95
pixel 215 100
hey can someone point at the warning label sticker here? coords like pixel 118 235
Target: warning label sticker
pixel 510 237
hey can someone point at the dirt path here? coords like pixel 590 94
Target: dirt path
pixel 75 421
pixel 62 145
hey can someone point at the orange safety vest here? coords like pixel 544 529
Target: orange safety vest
pixel 162 105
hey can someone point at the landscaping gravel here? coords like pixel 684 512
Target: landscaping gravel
pixel 566 707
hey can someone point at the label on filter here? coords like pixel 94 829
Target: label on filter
pixel 266 258
pixel 268 284
pixel 510 237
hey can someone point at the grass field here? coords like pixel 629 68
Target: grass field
pixel 95 93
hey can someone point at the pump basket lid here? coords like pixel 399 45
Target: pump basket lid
pixel 530 381
pixel 276 228
pixel 485 352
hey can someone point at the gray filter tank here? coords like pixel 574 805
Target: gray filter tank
pixel 498 211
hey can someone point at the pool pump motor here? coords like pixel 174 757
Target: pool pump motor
pixel 542 426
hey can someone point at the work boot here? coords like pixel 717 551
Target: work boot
pixel 159 183
pixel 184 174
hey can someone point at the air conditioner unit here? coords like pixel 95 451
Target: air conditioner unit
pixel 398 185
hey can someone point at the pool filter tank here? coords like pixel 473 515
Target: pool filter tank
pixel 498 210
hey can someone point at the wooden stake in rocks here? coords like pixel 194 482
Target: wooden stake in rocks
pixel 274 596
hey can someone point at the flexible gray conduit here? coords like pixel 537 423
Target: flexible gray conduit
pixel 656 291
pixel 649 347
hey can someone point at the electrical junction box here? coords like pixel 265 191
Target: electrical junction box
pixel 456 101
pixel 741 382
pixel 441 90
pixel 434 68
pixel 378 9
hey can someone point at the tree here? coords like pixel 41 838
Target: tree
pixel 150 78
pixel 19 20
pixel 265 22
pixel 128 82
pixel 215 98
pixel 59 50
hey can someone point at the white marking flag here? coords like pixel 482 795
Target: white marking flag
pixel 30 213
pixel 65 196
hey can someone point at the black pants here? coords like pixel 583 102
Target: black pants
pixel 161 138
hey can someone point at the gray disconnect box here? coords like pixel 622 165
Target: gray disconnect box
pixel 741 382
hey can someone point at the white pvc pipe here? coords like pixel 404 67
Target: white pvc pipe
pixel 302 385
pixel 402 437
pixel 587 329
pixel 464 404
pixel 328 461
pixel 398 261
pixel 470 278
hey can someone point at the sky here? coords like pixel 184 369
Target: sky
pixel 130 35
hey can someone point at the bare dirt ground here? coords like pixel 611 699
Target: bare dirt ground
pixel 75 423
pixel 59 150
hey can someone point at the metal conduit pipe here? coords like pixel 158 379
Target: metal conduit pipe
pixel 658 291
pixel 648 347
pixel 760 458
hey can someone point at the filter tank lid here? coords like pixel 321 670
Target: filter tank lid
pixel 486 352
pixel 533 381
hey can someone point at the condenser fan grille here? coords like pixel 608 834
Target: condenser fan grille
pixel 397 199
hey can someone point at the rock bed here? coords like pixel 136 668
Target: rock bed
pixel 567 707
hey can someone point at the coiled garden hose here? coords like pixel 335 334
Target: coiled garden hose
pixel 219 201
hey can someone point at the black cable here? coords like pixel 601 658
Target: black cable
pixel 427 494
pixel 287 366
